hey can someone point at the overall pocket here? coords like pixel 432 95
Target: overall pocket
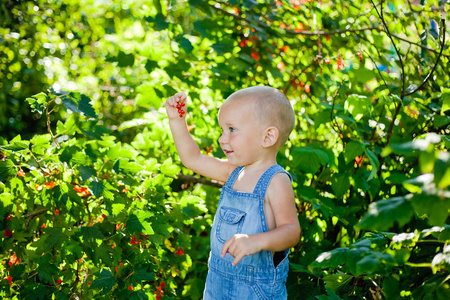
pixel 230 223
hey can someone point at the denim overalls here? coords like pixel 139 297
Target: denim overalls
pixel 255 276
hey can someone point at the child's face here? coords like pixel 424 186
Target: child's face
pixel 242 132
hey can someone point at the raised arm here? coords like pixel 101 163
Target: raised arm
pixel 187 148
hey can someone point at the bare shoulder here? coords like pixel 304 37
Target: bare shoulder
pixel 280 188
pixel 281 199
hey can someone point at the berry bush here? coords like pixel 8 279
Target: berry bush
pixel 95 204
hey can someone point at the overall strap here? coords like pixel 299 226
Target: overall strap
pixel 233 176
pixel 263 182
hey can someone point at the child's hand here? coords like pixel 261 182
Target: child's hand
pixel 176 106
pixel 240 245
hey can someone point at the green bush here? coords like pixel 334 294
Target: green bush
pixel 94 200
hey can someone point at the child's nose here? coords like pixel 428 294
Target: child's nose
pixel 222 139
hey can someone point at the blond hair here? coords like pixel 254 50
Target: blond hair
pixel 272 107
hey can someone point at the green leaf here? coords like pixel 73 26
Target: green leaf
pixel 160 22
pixel 192 206
pixel 374 162
pixel 36 291
pixel 309 159
pixel 353 149
pixel 249 4
pixel 96 188
pixel 125 60
pixel 169 168
pixel 142 273
pixel 16 271
pixel 151 65
pixel 92 129
pixel 85 106
pixel 186 45
pixel 442 170
pixel 340 183
pixel 117 208
pixel 146 95
pixel 103 253
pixel 37 102
pixel 41 139
pixel 331 295
pixel 91 235
pixel 69 127
pixel 367 264
pixel 442 258
pixel 440 121
pixel 79 103
pixel 55 237
pixel 445 102
pixel 178 68
pixel 434 206
pixel 413 146
pixel 391 287
pixel 86 172
pixel 72 250
pixel 81 158
pixel 7 169
pixel 138 223
pixel 123 166
pixel 105 280
pixel 117 151
pixel 46 270
pixel 330 259
pixel 358 106
pixel 383 214
pixel 138 295
pixel 162 226
pixel 338 281
pixel 16 146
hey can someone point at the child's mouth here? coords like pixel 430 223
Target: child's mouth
pixel 227 152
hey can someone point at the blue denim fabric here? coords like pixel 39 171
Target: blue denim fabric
pixel 255 276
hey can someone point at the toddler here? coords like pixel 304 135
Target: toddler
pixel 256 220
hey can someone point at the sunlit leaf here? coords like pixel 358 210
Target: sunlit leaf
pixel 383 214
pixel 105 280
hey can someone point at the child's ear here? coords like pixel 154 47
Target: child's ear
pixel 271 136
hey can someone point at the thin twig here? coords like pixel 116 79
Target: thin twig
pixel 47 113
pixel 319 32
pixel 31 215
pixel 380 15
pixel 379 72
pixel 435 64
pixel 199 180
pixel 37 162
pixel 333 121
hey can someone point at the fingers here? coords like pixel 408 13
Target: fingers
pixel 176 99
pixel 237 258
pixel 181 97
pixel 234 251
pixel 176 105
pixel 226 247
pixel 237 247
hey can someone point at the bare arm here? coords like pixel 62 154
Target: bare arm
pixel 286 233
pixel 187 148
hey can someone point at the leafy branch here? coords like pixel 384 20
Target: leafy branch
pixel 438 59
pixel 386 29
pixel 319 32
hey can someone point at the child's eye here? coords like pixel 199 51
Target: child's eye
pixel 231 129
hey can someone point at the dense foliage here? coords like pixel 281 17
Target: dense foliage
pixel 94 202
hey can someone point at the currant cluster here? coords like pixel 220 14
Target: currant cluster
pixel 159 293
pixel 180 110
